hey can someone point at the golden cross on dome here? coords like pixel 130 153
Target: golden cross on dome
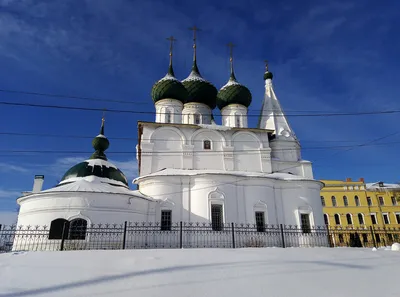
pixel 266 65
pixel 231 46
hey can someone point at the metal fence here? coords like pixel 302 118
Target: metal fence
pixel 190 235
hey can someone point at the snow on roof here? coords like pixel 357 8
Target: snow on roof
pixel 189 172
pixel 376 185
pixel 231 82
pixel 100 162
pixel 94 184
pixel 214 127
pixel 194 76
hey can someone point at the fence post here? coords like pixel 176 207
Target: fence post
pixel 233 235
pixel 64 234
pixel 180 235
pixel 373 237
pixel 283 237
pixel 124 237
pixel 329 236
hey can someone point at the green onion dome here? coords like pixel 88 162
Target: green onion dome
pixel 268 75
pixel 97 165
pixel 233 93
pixel 199 89
pixel 169 87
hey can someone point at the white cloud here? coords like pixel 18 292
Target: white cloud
pixel 4 194
pixel 10 167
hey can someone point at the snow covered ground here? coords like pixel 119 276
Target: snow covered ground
pixel 268 272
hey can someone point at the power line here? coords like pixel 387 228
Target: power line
pixel 153 112
pixel 205 152
pixel 20 134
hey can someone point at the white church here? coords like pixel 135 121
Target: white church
pixel 191 169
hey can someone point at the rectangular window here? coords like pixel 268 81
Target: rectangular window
pixel 305 223
pixel 394 202
pixel 386 218
pixel 345 201
pixel 381 201
pixel 365 237
pixel 166 220
pixel 322 201
pixel 369 201
pixel 333 201
pixel 260 221
pixel 237 119
pixel 356 200
pixel 398 218
pixel 373 218
pixel 216 217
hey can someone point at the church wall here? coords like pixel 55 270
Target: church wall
pixel 247 156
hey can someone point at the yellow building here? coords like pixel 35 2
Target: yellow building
pixel 358 205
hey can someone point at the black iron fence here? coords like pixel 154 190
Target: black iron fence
pixel 189 235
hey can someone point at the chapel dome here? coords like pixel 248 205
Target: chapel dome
pixel 233 93
pixel 199 89
pixel 97 165
pixel 169 87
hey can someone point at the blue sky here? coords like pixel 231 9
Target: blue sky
pixel 326 57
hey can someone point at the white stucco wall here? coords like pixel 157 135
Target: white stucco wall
pixel 169 111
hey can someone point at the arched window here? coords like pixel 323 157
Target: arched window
pixel 333 201
pixel 237 120
pixel 357 200
pixel 196 118
pixel 57 227
pixel 168 116
pixel 345 201
pixel 337 219
pixel 207 144
pixel 361 218
pixel 349 219
pixel 326 219
pixel 322 200
pixel 77 229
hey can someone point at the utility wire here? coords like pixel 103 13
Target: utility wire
pixel 153 112
pixel 20 134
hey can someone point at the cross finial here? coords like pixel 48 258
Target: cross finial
pixel 171 44
pixel 102 122
pixel 266 65
pixel 194 29
pixel 231 46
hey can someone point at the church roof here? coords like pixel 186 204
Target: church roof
pixel 97 165
pixel 190 172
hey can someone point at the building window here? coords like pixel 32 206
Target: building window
pixel 305 223
pixel 365 237
pixel 357 200
pixel 345 201
pixel 385 218
pixel 369 201
pixel 349 219
pixel 77 229
pixel 398 218
pixel 394 201
pixel 57 227
pixel 337 219
pixel 216 217
pixel 326 219
pixel 237 120
pixel 373 218
pixel 341 240
pixel 360 219
pixel 207 144
pixel 260 221
pixel 196 118
pixel 333 201
pixel 168 117
pixel 322 201
pixel 166 220
pixel 381 201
